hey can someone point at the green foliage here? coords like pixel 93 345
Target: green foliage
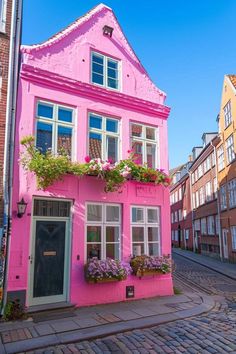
pixel 49 168
pixel 14 311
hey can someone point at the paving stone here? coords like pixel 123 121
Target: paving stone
pixel 44 329
pixel 64 326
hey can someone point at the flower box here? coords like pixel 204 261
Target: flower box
pixel 148 272
pixel 150 265
pixel 104 280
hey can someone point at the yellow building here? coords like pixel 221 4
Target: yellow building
pixel 226 165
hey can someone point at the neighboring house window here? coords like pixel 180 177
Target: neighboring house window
pixel 200 171
pixel 215 187
pixel 194 200
pixel 103 137
pixel 184 214
pixel 145 224
pixel 180 215
pixel 105 71
pixel 201 196
pixel 176 216
pixel 144 144
pixel 196 175
pixel 223 197
pixel 172 235
pixel 230 149
pixel 176 196
pixel 208 191
pixel 220 157
pixel 232 193
pixel 172 218
pixel 197 225
pixel 203 226
pixel 217 221
pixel 103 230
pixel 233 235
pixel 210 225
pixel 176 235
pixel 213 159
pixel 197 199
pixel 227 114
pixel 186 234
pixel 192 178
pixel 3 14
pixel 180 193
pixel 55 128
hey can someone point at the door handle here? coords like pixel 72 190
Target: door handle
pixel 31 259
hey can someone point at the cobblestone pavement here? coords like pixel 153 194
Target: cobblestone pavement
pixel 214 332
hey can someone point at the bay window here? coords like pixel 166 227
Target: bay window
pixel 55 128
pixel 103 137
pixel 144 144
pixel 105 71
pixel 103 229
pixel 145 225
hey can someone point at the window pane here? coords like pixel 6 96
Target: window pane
pixel 112 213
pixel 136 130
pixel 94 212
pixel 94 250
pixel 153 234
pixel 151 155
pixel 112 125
pixel 65 115
pixel 152 216
pixel 94 234
pixel 112 83
pixel 95 122
pixel 112 234
pixel 97 79
pixel 112 144
pixel 97 68
pixel 137 215
pixel 113 74
pixel 137 148
pixel 112 251
pixel 138 246
pixel 44 137
pixel 95 145
pixel 97 58
pixel 153 249
pixel 138 234
pixel 64 140
pixel 45 111
pixel 112 64
pixel 150 133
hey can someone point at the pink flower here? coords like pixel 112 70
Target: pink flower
pixel 129 151
pixel 87 159
pixel 110 160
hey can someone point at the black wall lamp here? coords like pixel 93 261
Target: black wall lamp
pixel 21 207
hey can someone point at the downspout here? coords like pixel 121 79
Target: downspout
pixel 218 204
pixel 13 72
pixel 191 204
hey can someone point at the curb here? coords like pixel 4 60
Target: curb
pixel 203 264
pixel 108 329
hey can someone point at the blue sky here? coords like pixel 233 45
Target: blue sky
pixel 186 46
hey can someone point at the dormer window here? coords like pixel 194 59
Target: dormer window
pixel 105 71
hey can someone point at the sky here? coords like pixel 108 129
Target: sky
pixel 186 46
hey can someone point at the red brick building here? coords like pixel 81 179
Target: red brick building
pixel 181 213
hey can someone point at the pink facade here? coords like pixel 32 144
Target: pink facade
pixel 58 72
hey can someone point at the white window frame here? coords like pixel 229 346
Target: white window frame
pixel 105 68
pixel 208 191
pixel 55 122
pixel 103 224
pixel 220 157
pixel 104 134
pixel 232 193
pixel 230 153
pixel 3 16
pixel 227 114
pixel 223 197
pixel 203 226
pixel 142 139
pixel 211 225
pixel 145 224
pixel 200 171
pixel 180 193
pixel 215 187
pixel 201 196
pixel 180 215
pixel 233 237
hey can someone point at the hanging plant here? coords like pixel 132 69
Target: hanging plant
pixel 49 168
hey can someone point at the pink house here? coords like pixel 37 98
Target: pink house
pixel 85 90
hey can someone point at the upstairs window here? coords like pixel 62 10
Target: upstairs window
pixel 3 14
pixel 232 193
pixel 227 114
pixel 223 197
pixel 230 149
pixel 220 158
pixel 105 71
pixel 103 137
pixel 55 126
pixel 144 144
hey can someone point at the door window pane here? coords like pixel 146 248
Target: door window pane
pixel 44 207
pixel 137 215
pixel 64 140
pixel 45 110
pixel 138 234
pixel 65 115
pixel 44 137
pixel 112 213
pixel 94 212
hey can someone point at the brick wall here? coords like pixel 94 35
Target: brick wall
pixel 4 63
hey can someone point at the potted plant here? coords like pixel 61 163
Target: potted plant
pixel 102 271
pixel 150 265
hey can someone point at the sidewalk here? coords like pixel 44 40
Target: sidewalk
pixel 227 269
pixel 97 321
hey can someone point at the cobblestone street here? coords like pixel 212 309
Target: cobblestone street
pixel 214 332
